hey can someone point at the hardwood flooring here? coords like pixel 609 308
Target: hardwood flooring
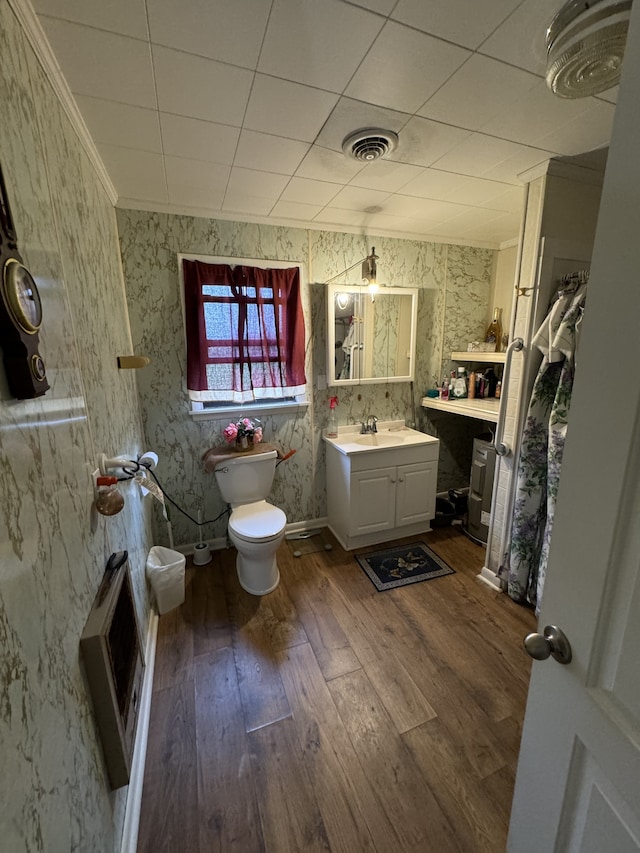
pixel 329 716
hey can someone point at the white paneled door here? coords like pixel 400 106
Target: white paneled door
pixel 578 782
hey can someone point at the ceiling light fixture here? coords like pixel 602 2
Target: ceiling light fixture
pixel 585 47
pixel 369 144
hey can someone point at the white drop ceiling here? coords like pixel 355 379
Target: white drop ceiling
pixel 238 108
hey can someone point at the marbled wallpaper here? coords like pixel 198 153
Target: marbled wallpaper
pixel 53 787
pixel 150 243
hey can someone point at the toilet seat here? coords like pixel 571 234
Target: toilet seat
pixel 257 522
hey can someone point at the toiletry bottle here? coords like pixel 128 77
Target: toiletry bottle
pixel 444 391
pixel 471 391
pixel 498 389
pixel 452 380
pixel 494 332
pixel 332 429
pixel 109 501
pixel 491 381
pixel 460 384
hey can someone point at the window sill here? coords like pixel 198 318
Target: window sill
pixel 224 412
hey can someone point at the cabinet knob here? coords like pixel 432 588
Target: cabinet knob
pixel 392 480
pixel 401 480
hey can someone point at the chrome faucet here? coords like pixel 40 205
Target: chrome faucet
pixel 369 425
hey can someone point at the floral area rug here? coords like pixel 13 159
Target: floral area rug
pixel 393 567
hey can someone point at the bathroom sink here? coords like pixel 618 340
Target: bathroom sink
pixel 391 437
pixel 376 439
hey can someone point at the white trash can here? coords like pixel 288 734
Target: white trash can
pixel 165 570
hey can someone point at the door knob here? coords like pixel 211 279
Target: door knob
pixel 552 643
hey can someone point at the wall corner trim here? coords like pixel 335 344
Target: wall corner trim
pixel 129 843
pixel 42 49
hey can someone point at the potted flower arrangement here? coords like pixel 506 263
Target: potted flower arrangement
pixel 244 433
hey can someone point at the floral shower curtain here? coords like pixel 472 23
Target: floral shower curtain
pixel 543 439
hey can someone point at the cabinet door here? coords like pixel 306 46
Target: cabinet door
pixel 373 497
pixel 416 493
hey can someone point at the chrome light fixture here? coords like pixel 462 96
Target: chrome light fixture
pixel 369 272
pixel 585 47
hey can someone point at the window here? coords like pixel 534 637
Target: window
pixel 245 333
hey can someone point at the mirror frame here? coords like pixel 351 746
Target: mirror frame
pixel 332 291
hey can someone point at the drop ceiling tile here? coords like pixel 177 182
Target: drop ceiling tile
pixel 259 184
pixel 591 129
pixel 458 21
pixel 349 115
pixel 498 230
pixel 321 164
pixel 212 176
pixel 536 115
pixel 423 142
pixel 521 39
pixel 121 124
pixel 135 174
pixel 127 17
pixel 310 192
pixel 383 7
pixel 194 139
pixel 341 217
pixel 355 198
pixel 477 155
pixel 481 89
pixel 385 175
pixel 228 32
pixel 478 192
pixel 295 210
pixel 101 64
pixel 269 153
pixel 320 44
pixel 434 184
pixel 237 201
pixel 197 196
pixel 610 95
pixel 422 208
pixel 510 201
pixel 287 109
pixel 404 68
pixel 201 88
pixel 521 159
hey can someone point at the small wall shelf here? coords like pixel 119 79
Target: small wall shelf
pixel 480 357
pixel 483 410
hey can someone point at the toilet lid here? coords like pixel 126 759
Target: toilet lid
pixel 257 521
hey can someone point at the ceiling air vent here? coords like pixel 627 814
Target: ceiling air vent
pixel 585 47
pixel 369 144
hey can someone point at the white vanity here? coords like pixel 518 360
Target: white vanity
pixel 380 486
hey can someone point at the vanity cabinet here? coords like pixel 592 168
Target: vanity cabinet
pixel 381 495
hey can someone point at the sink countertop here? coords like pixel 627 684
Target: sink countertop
pixel 391 435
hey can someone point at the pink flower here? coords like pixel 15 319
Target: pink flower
pixel 247 423
pixel 230 433
pixel 257 435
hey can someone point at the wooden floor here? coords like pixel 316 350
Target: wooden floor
pixel 329 716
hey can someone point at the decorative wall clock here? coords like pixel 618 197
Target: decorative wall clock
pixel 20 313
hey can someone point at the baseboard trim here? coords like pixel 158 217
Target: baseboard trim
pixel 131 826
pixel 221 542
pixel 490 578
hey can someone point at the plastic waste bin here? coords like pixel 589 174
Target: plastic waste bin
pixel 165 570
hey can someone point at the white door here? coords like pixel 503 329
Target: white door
pixel 373 501
pixel 416 490
pixel 578 782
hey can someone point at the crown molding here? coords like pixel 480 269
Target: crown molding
pixel 30 24
pixel 333 227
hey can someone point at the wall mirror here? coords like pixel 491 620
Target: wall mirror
pixel 370 339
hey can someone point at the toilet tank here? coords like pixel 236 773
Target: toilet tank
pixel 244 479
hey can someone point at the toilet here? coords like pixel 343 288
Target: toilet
pixel 256 527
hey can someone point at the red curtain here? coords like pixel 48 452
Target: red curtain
pixel 245 329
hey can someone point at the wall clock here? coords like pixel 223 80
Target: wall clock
pixel 20 313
